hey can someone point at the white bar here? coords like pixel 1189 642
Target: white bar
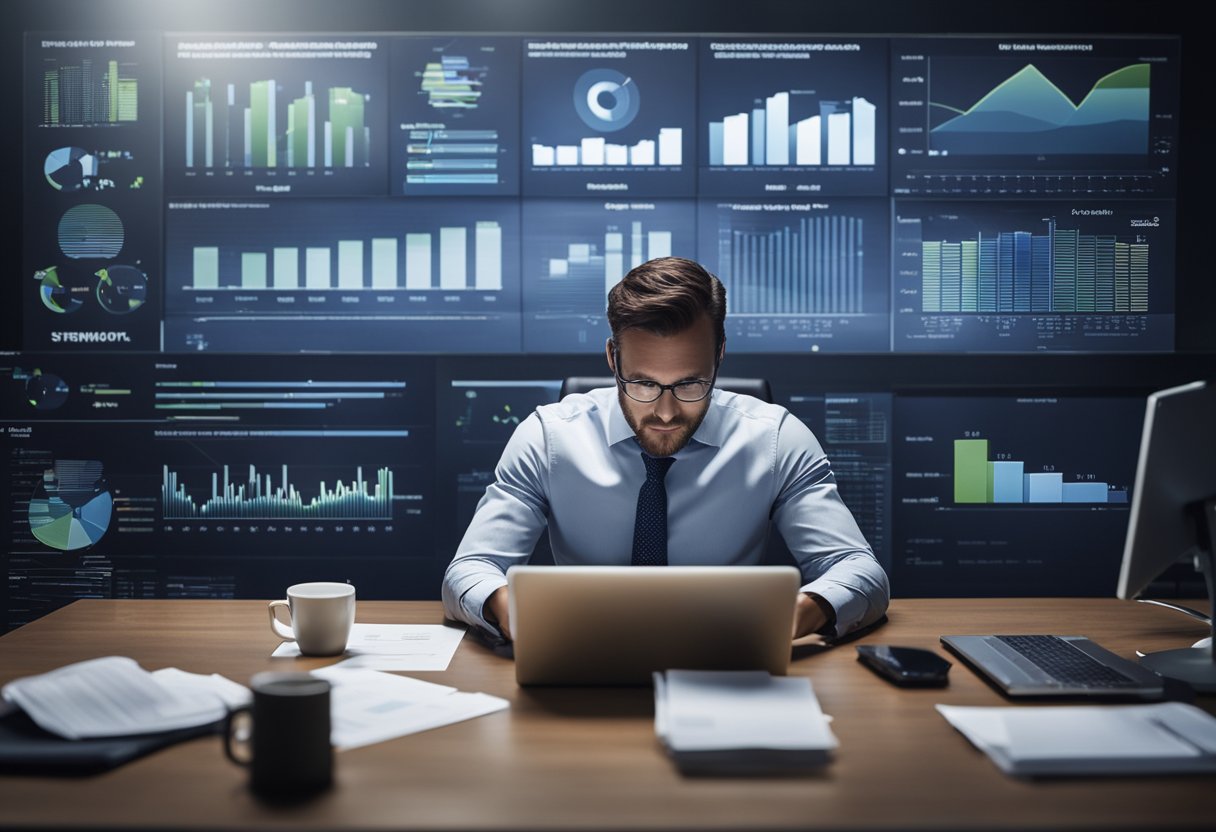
pixel 567 154
pixel 735 134
pixel 542 156
pixel 329 145
pixel 350 264
pixel 777 129
pixel 350 147
pixel 384 263
pixel 579 253
pixel 453 262
pixel 809 142
pixel 488 262
pixel 287 268
pixel 248 139
pixel 614 259
pixel 253 270
pixel 206 268
pixel 312 131
pixel 642 153
pixel 209 133
pixel 592 151
pixel 658 244
pixel 840 138
pixel 418 261
pixel 616 154
pixel 671 146
pixel 863 132
pixel 316 268
pixel 189 128
pixel 558 268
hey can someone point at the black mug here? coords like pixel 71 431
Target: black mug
pixel 284 734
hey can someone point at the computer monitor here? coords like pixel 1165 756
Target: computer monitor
pixel 1173 512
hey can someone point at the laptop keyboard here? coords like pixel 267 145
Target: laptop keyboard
pixel 1066 664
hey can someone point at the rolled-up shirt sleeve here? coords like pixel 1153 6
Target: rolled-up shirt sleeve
pixel 836 562
pixel 509 520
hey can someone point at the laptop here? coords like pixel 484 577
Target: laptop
pixel 1046 665
pixel 617 625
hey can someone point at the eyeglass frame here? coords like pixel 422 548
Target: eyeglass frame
pixel 624 383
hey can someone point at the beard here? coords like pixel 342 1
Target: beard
pixel 660 444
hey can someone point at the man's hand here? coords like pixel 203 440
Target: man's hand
pixel 498 612
pixel 809 615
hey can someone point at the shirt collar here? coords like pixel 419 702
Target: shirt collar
pixel 709 433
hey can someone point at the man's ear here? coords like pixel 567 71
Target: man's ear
pixel 722 351
pixel 609 348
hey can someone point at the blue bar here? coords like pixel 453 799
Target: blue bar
pixel 715 143
pixel 1117 496
pixel 1044 488
pixel 1007 482
pixel 1084 492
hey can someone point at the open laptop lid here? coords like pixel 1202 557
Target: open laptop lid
pixel 616 625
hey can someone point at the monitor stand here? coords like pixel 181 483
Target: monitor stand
pixel 1196 666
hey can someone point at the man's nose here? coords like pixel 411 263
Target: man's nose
pixel 667 407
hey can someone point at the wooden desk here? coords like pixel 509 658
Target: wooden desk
pixel 588 758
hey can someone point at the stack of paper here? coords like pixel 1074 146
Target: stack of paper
pixel 115 697
pixel 742 722
pixel 367 706
pixel 1168 737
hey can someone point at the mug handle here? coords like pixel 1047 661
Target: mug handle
pixel 276 625
pixel 231 728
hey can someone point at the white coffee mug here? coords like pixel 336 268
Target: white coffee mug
pixel 321 616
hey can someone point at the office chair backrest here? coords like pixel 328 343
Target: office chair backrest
pixel 757 387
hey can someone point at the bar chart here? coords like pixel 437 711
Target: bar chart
pixel 842 133
pixel 981 480
pixel 88 92
pixel 1061 270
pixel 1025 276
pixel 596 151
pixel 249 136
pixel 1005 495
pixel 800 275
pixel 431 262
pixel 575 252
pixel 260 497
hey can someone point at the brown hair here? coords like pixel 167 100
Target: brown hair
pixel 666 296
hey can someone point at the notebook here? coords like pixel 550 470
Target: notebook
pixel 617 625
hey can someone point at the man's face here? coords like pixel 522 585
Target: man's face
pixel 666 424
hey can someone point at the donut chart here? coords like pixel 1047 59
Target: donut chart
pixel 606 100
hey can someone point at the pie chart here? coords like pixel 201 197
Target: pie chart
pixel 121 289
pixel 56 296
pixel 46 391
pixel 70 168
pixel 70 509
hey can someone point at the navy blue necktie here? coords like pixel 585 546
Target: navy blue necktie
pixel 650 526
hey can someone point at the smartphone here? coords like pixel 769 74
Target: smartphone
pixel 905 666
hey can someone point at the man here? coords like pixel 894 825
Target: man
pixel 667 470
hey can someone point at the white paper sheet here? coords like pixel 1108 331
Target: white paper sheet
pixel 368 706
pixel 112 697
pixel 423 647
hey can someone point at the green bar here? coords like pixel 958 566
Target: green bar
pixel 259 114
pixel 971 477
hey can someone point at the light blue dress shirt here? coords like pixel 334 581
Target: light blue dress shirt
pixel 576 467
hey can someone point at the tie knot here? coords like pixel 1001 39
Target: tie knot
pixel 657 467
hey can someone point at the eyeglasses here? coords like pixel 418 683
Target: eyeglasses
pixel 646 391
